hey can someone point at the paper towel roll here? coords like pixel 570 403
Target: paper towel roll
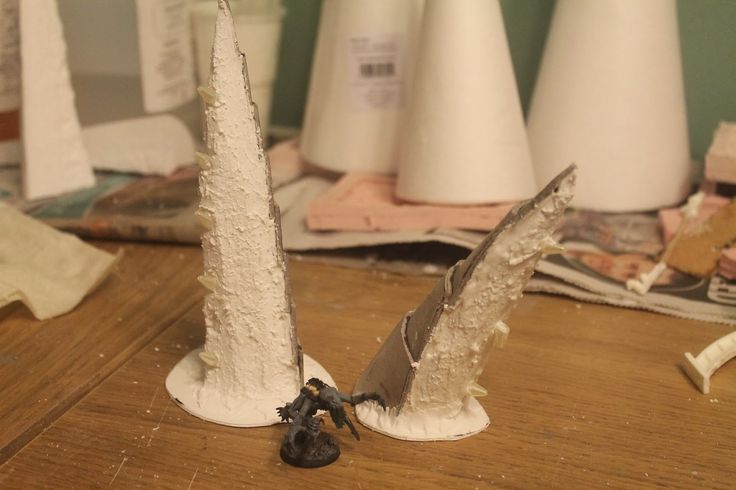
pixel 357 95
pixel 464 141
pixel 610 98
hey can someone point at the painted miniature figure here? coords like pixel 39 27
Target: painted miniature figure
pixel 304 445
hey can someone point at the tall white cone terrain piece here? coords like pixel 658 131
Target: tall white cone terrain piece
pixel 427 369
pixel 54 158
pixel 251 361
pixel 610 97
pixel 464 141
pixel 361 75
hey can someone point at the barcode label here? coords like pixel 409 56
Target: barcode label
pixel 377 70
pixel 376 78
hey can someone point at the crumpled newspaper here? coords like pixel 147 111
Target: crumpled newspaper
pixel 49 271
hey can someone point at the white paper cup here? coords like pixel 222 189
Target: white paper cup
pixel 610 97
pixel 464 141
pixel 258 27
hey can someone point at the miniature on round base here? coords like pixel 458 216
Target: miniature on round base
pixel 186 380
pixel 305 454
pixel 425 425
pixel 304 445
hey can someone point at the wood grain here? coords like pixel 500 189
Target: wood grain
pixel 47 366
pixel 582 396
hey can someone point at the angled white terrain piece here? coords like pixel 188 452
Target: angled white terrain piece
pixel 701 368
pixel 251 362
pixel 428 367
pixel 54 158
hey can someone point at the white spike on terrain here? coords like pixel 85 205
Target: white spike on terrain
pixel 427 370
pixel 54 158
pixel 251 362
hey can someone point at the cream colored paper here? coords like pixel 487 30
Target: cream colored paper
pixel 49 271
pixel 464 141
pixel 610 98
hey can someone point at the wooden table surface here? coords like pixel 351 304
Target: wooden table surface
pixel 581 396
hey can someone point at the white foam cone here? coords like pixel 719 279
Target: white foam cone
pixel 464 141
pixel 357 95
pixel 610 98
pixel 54 157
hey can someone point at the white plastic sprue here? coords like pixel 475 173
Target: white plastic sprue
pixel 644 282
pixel 701 368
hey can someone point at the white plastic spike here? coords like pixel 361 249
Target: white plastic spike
pixel 476 390
pixel 500 334
pixel 204 219
pixel 552 247
pixel 208 282
pixel 209 359
pixel 207 94
pixel 701 368
pixel 203 160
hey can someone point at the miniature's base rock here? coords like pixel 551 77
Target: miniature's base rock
pixel 322 452
pixel 424 426
pixel 185 382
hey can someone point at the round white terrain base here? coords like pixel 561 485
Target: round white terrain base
pixel 186 379
pixel 430 425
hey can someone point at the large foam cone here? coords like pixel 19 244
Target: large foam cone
pixel 251 362
pixel 464 141
pixel 610 97
pixel 358 92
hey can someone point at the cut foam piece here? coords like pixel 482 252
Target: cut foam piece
pixel 152 145
pixel 701 368
pixel 428 367
pixel 54 158
pixel 251 333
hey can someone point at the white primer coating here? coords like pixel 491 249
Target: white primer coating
pixel 701 368
pixel 54 158
pixel 248 313
pixel 186 379
pixel 464 141
pixel 439 403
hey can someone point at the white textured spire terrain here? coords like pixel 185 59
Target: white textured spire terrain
pixel 54 158
pixel 251 361
pixel 427 369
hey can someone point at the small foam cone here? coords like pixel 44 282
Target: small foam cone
pixel 610 97
pixel 464 141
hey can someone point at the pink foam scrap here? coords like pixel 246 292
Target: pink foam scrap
pixel 367 202
pixel 671 218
